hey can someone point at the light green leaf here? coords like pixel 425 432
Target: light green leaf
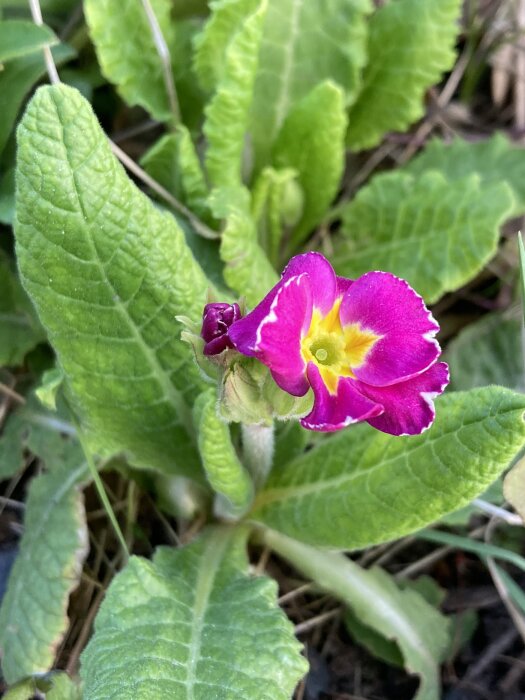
pixel 19 37
pixel 227 113
pixel 277 204
pixel 173 162
pixel 206 629
pixel 436 234
pixel 224 470
pixel 419 630
pixel 46 570
pixel 494 160
pixel 514 487
pixel 411 44
pixel 20 330
pixel 498 358
pixel 362 487
pixel 16 80
pixel 189 94
pixel 108 273
pixel 46 393
pixel 226 18
pixel 127 53
pixel 311 141
pixel 248 270
pixel 52 686
pixel 375 642
pixel 521 248
pixel 305 43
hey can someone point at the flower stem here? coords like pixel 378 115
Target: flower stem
pixel 257 448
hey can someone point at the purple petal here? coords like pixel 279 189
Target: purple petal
pixel 335 411
pixel 322 278
pixel 409 406
pixel 343 285
pixel 243 333
pixel 388 306
pixel 275 336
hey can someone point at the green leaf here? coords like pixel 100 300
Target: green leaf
pixel 411 44
pixel 127 53
pixel 16 80
pixel 226 18
pixel 189 94
pixel 7 196
pixel 19 37
pixel 498 358
pixel 419 630
pixel 46 393
pixel 46 570
pixel 224 470
pixel 436 234
pixel 108 273
pixel 248 271
pixel 173 162
pixel 227 113
pixel 277 203
pixel 514 487
pixel 20 330
pixel 362 487
pixel 495 160
pixel 375 642
pixel 312 141
pixel 54 686
pixel 305 43
pixel 206 629
pixel 522 274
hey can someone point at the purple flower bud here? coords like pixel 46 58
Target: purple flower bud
pixel 216 320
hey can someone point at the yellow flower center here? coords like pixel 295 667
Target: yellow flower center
pixel 336 350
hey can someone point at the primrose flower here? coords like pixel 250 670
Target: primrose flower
pixel 216 320
pixel 366 347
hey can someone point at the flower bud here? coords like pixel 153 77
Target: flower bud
pixel 216 320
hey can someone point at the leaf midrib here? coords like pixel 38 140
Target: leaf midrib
pixel 210 562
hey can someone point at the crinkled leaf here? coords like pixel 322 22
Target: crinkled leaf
pixel 305 43
pixel 20 329
pixel 108 273
pixel 410 46
pixel 498 356
pixel 362 487
pixel 127 53
pixel 494 159
pixel 16 80
pixel 223 468
pixel 226 18
pixel 206 629
pixel 248 270
pixel 19 37
pixel 277 203
pixel 434 233
pixel 33 615
pixel 173 162
pixel 311 142
pixel 227 113
pixel 419 630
